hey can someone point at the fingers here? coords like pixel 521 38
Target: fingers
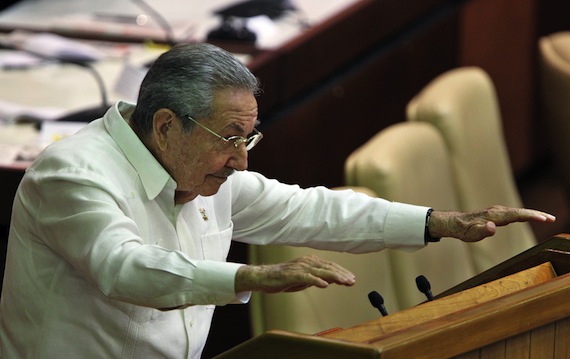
pixel 478 231
pixel 315 271
pixel 533 215
pixel 330 271
pixel 482 224
pixel 292 276
pixel 502 216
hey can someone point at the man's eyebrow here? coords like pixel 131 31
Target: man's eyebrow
pixel 235 126
pixel 238 127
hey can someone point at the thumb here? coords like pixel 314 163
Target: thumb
pixel 479 231
pixel 491 228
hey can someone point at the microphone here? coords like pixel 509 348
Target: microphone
pixel 424 286
pixel 62 53
pixel 377 302
pixel 91 113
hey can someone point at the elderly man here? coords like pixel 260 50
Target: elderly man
pixel 120 233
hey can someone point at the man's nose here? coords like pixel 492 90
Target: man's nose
pixel 238 161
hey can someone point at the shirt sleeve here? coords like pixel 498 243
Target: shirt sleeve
pixel 266 211
pixel 405 226
pixel 75 218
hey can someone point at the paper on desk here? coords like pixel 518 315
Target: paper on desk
pixel 11 60
pixel 57 130
pixel 129 81
pixel 53 46
pixel 22 143
pixel 18 143
pixel 10 112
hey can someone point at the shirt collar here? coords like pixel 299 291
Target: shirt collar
pixel 153 176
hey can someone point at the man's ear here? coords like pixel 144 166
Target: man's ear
pixel 162 122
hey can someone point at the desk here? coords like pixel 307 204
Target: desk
pixel 190 20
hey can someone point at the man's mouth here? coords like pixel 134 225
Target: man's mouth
pixel 224 174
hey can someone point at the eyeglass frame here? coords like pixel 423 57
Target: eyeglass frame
pixel 250 142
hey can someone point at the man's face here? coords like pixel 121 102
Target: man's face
pixel 199 161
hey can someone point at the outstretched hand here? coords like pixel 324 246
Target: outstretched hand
pixel 292 276
pixel 474 226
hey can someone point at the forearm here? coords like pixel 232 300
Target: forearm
pixel 323 219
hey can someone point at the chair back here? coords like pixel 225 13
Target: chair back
pixel 409 162
pixel 462 104
pixel 554 90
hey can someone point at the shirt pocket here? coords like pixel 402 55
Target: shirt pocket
pixel 216 246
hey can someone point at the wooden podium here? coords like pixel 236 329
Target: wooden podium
pixel 518 309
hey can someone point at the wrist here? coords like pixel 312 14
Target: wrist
pixel 244 279
pixel 428 238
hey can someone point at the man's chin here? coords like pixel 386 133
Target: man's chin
pixel 206 192
pixel 211 186
pixel 182 197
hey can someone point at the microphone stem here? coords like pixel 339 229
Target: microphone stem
pixel 99 79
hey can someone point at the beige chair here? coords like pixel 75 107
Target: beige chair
pixel 554 73
pixel 396 165
pixel 395 159
pixel 463 105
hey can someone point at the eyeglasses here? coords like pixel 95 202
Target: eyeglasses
pixel 250 141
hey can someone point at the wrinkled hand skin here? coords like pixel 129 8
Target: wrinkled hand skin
pixel 474 226
pixel 292 276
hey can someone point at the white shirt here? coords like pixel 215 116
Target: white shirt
pixel 97 244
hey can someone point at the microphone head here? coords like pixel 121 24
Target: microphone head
pixel 377 302
pixel 423 284
pixel 375 299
